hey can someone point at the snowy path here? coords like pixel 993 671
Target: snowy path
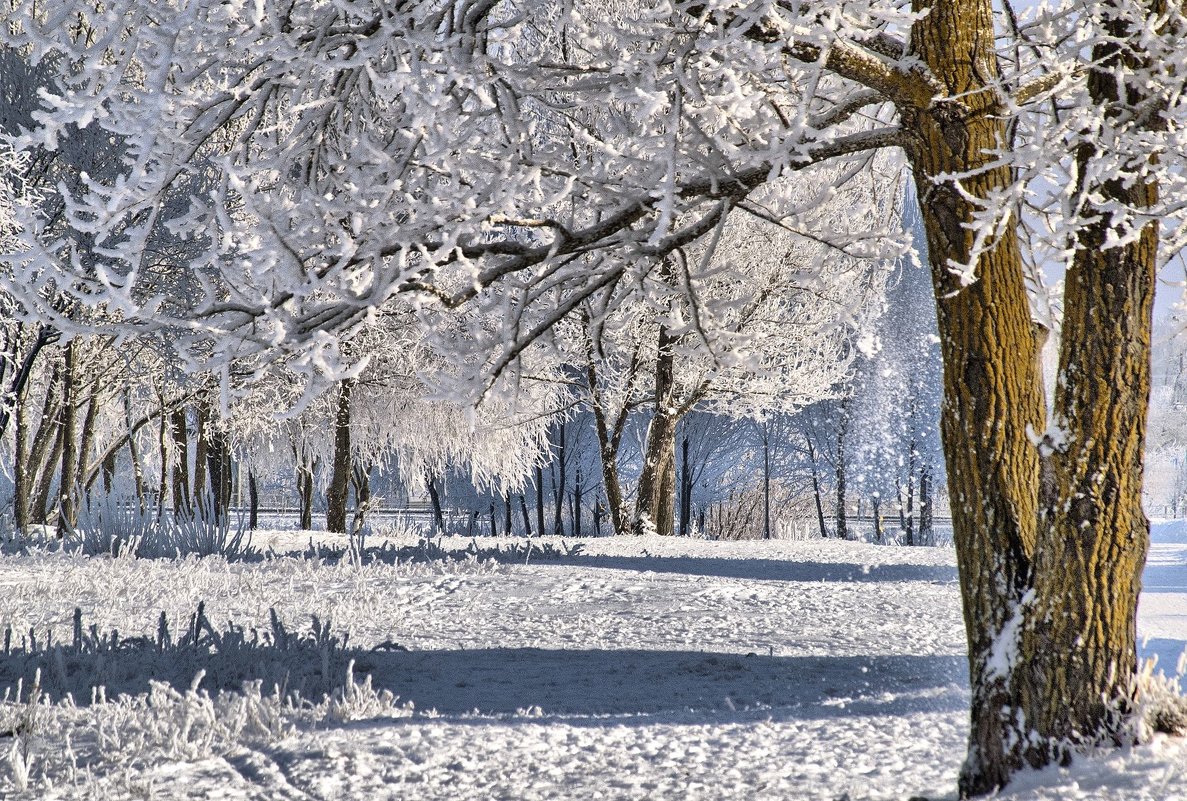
pixel 643 668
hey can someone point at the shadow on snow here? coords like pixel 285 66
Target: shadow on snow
pixel 490 681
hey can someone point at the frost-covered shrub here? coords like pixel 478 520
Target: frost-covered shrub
pixel 110 527
pixel 107 526
pixel 197 535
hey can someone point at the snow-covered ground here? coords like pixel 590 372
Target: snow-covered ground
pixel 634 668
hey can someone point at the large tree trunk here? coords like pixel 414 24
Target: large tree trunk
pixel 991 371
pixel 337 495
pixel 1078 650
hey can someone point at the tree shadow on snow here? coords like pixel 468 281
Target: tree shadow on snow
pixel 772 569
pixel 491 681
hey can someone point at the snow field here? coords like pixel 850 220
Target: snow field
pixel 639 668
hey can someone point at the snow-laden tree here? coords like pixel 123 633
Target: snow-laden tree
pixel 435 150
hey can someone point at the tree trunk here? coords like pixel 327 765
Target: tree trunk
pixel 253 501
pixel 41 504
pixel 67 493
pixel 361 478
pixel 435 502
pixel 655 505
pixel 839 472
pixel 527 520
pixel 86 442
pixel 992 393
pixel 306 465
pixel 20 473
pixel 181 461
pixel 816 494
pixel 558 486
pixel 540 500
pixel 766 483
pixel 926 515
pixel 577 503
pixel 337 495
pixel 507 512
pixel 219 468
pixel 1078 650
pixel 201 445
pixel 685 488
pixel 878 536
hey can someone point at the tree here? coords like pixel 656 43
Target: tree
pixel 444 164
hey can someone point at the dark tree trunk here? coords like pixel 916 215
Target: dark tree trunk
pixel 926 523
pixel 840 471
pixel 494 530
pixel 527 520
pixel 201 445
pixel 337 494
pixel 507 513
pixel 559 485
pixel 540 500
pixel 67 493
pixel 435 502
pixel 253 500
pixel 219 469
pixel 685 488
pixel 577 503
pixel 766 483
pixel 816 494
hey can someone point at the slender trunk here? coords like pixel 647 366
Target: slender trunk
pixel 558 487
pixel 253 500
pixel 337 494
pixel 527 520
pixel 201 446
pixel 577 504
pixel 86 442
pixel 685 487
pixel 69 443
pixel 435 502
pixel 494 530
pixel 766 484
pixel 46 480
pixel 816 487
pixel 20 381
pixel 842 432
pixel 507 513
pixel 20 473
pixel 597 515
pixel 879 537
pixel 219 468
pixel 181 461
pixel 540 499
pixel 926 524
pixel 361 479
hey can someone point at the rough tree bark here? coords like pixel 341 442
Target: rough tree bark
pixel 1078 648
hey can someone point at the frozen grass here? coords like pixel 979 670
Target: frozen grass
pixel 628 668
